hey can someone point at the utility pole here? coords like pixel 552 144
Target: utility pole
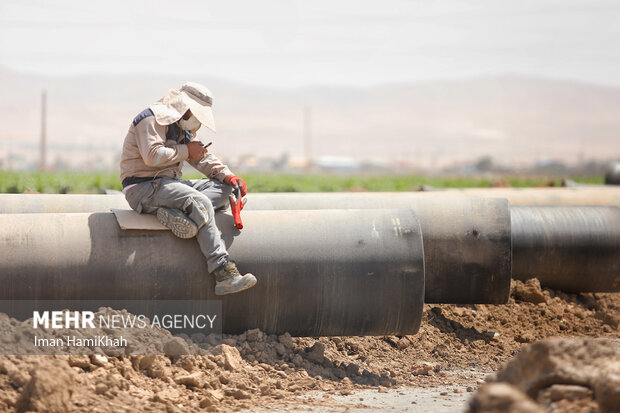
pixel 42 165
pixel 307 135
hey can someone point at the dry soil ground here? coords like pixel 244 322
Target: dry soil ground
pixel 456 347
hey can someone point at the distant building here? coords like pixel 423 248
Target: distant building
pixel 337 164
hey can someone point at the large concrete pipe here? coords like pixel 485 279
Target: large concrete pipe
pixel 574 249
pixel 355 272
pixel 466 240
pixel 576 196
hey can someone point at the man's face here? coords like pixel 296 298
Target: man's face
pixel 193 125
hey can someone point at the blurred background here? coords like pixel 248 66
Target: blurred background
pixel 317 95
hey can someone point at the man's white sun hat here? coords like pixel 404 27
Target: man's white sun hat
pixel 174 104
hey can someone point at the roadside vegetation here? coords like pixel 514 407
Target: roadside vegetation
pixel 90 182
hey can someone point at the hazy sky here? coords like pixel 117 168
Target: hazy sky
pixel 298 43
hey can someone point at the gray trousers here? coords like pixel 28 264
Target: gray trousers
pixel 196 198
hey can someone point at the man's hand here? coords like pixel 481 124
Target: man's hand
pixel 196 150
pixel 237 182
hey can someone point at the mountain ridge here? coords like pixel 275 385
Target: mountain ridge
pixel 513 119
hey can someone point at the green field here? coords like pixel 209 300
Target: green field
pixel 72 182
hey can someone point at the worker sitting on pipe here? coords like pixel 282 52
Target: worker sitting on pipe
pixel 159 139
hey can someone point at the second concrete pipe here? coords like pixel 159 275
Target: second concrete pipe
pixel 579 196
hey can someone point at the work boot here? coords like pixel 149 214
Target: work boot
pixel 180 225
pixel 229 280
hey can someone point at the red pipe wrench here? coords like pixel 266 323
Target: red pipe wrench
pixel 236 205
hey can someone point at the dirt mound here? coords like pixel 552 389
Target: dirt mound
pixel 255 369
pixel 487 335
pixel 576 375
